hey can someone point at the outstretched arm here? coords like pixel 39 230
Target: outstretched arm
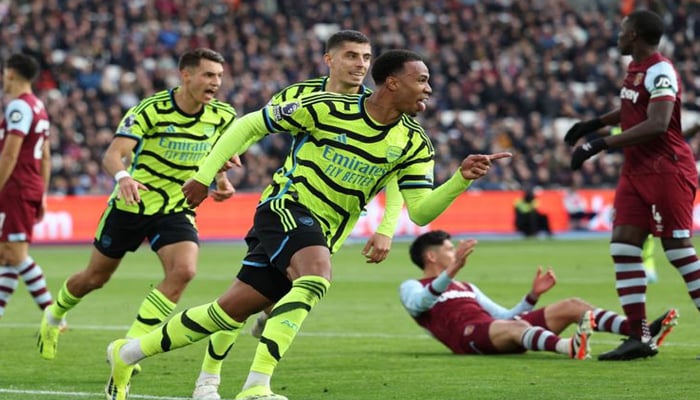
pixel 426 205
pixel 243 132
pixel 541 284
pixel 658 117
pixel 498 311
pixel 583 128
pixel 418 299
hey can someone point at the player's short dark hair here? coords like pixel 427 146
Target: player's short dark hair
pixel 25 65
pixel 648 25
pixel 423 242
pixel 391 62
pixel 347 35
pixel 192 58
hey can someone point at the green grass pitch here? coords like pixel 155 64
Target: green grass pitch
pixel 358 343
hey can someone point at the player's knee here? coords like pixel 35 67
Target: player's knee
pixel 12 259
pixel 515 327
pixel 515 330
pixel 320 268
pixel 310 261
pixel 621 249
pixel 12 256
pixel 676 244
pixel 575 307
pixel 518 325
pixel 91 280
pixel 181 274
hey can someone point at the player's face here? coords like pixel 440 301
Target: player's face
pixel 349 63
pixel 445 254
pixel 413 89
pixel 625 38
pixel 203 81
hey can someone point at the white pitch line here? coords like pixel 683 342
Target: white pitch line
pixel 70 326
pixel 83 394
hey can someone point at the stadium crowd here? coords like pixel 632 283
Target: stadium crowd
pixel 506 74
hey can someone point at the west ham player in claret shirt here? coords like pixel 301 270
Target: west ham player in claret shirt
pixel 467 321
pixel 658 180
pixel 24 177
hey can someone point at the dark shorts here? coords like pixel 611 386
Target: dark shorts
pixel 281 227
pixel 17 216
pixel 659 203
pixel 478 341
pixel 121 231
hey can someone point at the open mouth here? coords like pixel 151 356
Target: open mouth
pixel 210 93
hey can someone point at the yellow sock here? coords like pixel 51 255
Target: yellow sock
pixel 187 327
pixel 285 320
pixel 219 345
pixel 152 312
pixel 65 301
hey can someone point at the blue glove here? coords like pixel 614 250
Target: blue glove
pixel 586 151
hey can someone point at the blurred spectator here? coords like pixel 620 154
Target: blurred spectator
pixel 576 208
pixel 528 219
pixel 506 75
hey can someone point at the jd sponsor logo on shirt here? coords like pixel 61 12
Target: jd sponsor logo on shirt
pixel 662 82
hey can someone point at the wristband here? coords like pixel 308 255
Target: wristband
pixel 121 174
pixel 432 291
pixel 439 284
pixel 530 299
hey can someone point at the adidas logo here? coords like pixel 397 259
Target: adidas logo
pixel 290 324
pixel 209 130
pixel 170 129
pixel 342 138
